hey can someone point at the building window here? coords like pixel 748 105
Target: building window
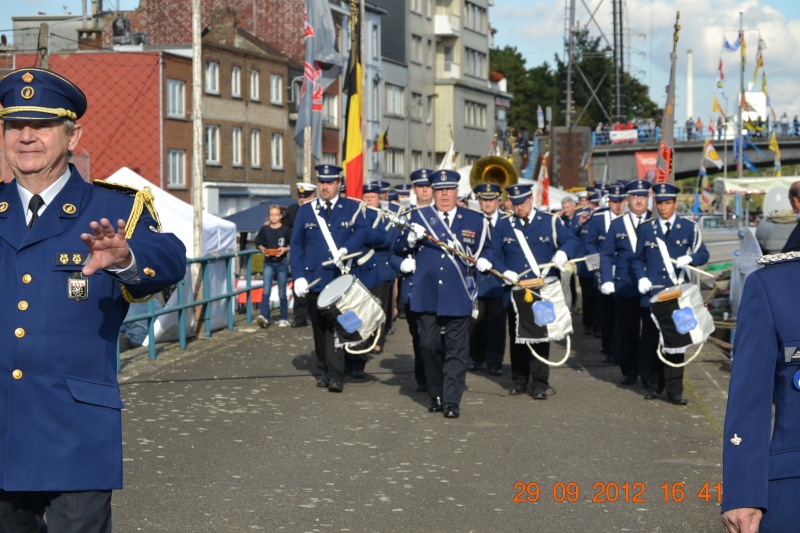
pixel 416 159
pixel 415 6
pixel 375 41
pixel 475 115
pixel 471 159
pixel 416 48
pixel 429 53
pixel 277 151
pixel 236 82
pixel 374 101
pixel 447 52
pixel 212 77
pixel 330 110
pixel 176 98
pixel 176 168
pixel 476 63
pixel 394 100
pixel 255 148
pixel 212 145
pixel 276 89
pixel 393 161
pixel 236 147
pixel 416 107
pixel 475 17
pixel 255 91
pixel 328 158
pixel 428 9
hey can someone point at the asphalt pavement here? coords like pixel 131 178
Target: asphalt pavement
pixel 232 435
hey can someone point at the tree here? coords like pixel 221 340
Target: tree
pixel 529 87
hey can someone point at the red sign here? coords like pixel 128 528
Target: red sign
pixel 645 161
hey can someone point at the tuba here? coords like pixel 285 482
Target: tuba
pixel 494 169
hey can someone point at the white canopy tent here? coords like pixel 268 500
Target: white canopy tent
pixel 219 235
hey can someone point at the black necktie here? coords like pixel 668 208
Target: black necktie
pixel 446 219
pixel 666 233
pixel 524 222
pixel 34 205
pixel 638 220
pixel 328 208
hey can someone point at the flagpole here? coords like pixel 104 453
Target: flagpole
pixel 307 154
pixel 739 159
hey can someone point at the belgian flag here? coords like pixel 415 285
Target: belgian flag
pixel 353 146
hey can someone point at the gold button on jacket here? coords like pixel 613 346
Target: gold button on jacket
pixel 19 332
pixel 17 374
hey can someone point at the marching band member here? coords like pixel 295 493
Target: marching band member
pixel 325 230
pixel 519 244
pixel 588 291
pixel 306 192
pixel 406 265
pixel 617 277
pixel 488 331
pixel 661 240
pixel 444 290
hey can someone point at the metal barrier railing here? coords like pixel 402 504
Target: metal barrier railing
pixel 182 306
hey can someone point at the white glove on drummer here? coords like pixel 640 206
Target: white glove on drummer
pixel 511 276
pixel 607 288
pixel 408 265
pixel 560 260
pixel 683 260
pixel 337 257
pixel 416 233
pixel 483 265
pixel 300 287
pixel 645 285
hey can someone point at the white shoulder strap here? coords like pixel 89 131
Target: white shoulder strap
pixel 631 231
pixel 526 250
pixel 326 233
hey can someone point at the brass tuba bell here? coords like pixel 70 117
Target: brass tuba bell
pixel 493 169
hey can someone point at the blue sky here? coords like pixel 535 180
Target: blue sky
pixel 536 29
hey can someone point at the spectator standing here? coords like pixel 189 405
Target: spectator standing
pixel 785 124
pixel 273 240
pixel 699 127
pixel 720 127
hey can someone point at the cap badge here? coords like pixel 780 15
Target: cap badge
pixel 444 177
pixel 27 92
pixel 27 77
pixel 301 190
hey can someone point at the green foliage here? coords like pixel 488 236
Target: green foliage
pixel 546 86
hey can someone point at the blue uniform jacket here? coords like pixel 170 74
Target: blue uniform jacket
pixel 384 252
pixel 617 249
pixel 437 286
pixel 578 229
pixel 684 239
pixel 309 248
pixel 368 271
pixel 60 420
pixel 768 333
pixel 489 285
pixel 546 235
pixel 404 280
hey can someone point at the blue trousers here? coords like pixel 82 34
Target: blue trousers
pixel 280 271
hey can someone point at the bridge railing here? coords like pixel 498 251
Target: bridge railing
pixel 684 134
pixel 229 295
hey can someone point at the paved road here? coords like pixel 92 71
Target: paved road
pixel 232 435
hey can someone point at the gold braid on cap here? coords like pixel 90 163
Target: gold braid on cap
pixel 142 199
pixel 58 112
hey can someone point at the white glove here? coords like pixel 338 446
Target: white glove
pixel 483 265
pixel 560 259
pixel 645 285
pixel 408 265
pixel 683 260
pixel 511 275
pixel 300 287
pixel 416 233
pixel 607 288
pixel 337 257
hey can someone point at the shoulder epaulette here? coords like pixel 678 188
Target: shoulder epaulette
pixel 506 215
pixel 600 210
pixel 119 187
pixel 597 213
pixel 776 259
pixel 647 220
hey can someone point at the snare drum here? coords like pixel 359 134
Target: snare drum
pixel 546 318
pixel 354 311
pixel 681 317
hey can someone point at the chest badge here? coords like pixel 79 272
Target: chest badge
pixel 3 207
pixel 69 209
pixel 78 287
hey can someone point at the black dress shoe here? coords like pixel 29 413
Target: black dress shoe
pixel 475 367
pixel 322 381
pixel 358 373
pixel 679 400
pixel 422 388
pixel 299 324
pixel 517 389
pixel 451 410
pixel 539 395
pixel 628 380
pixel 377 351
pixel 335 386
pixel 435 406
pixel 650 394
pixel 660 388
pixel 496 371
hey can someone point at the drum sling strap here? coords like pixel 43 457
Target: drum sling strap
pixel 326 233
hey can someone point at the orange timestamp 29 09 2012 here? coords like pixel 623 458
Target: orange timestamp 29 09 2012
pixel 612 491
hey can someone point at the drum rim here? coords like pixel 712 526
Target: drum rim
pixel 321 300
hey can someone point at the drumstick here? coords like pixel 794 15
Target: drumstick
pixel 313 283
pixel 343 258
pixel 693 269
pixel 578 260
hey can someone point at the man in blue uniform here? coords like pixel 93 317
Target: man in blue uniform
pixel 444 289
pixel 666 245
pixel 405 264
pixel 488 331
pixel 306 192
pixel 325 230
pixel 617 280
pixel 760 454
pixel 72 258
pixel 545 240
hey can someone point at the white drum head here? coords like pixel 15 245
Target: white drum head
pixel 335 290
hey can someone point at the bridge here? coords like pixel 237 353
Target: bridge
pixel 570 148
